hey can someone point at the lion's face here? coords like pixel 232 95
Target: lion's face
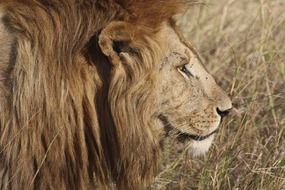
pixel 191 104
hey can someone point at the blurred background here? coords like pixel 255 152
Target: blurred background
pixel 242 43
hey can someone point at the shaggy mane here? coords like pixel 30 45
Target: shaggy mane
pixel 68 120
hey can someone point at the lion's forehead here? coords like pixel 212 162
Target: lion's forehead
pixel 170 41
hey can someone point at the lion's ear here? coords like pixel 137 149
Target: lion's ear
pixel 114 39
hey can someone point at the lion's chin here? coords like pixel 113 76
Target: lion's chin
pixel 198 148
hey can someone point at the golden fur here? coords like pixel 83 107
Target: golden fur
pixel 78 90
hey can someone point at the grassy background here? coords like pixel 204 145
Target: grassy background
pixel 243 46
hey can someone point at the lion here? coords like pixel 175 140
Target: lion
pixel 89 90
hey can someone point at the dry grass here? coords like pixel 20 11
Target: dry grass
pixel 243 44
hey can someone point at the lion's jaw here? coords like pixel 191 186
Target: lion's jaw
pixel 200 147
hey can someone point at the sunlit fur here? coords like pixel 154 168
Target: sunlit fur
pixel 74 115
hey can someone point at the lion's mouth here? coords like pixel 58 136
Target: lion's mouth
pixel 181 136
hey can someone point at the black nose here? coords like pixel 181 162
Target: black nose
pixel 223 113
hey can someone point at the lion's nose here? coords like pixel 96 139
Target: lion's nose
pixel 223 113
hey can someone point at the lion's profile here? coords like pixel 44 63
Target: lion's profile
pixel 90 88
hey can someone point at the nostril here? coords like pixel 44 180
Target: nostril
pixel 223 113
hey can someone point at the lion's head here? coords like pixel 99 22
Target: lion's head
pixel 89 90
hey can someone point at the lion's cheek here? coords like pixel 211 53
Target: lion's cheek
pixel 198 148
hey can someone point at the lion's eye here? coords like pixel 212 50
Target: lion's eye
pixel 183 69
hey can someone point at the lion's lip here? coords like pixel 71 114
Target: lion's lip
pixel 182 136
